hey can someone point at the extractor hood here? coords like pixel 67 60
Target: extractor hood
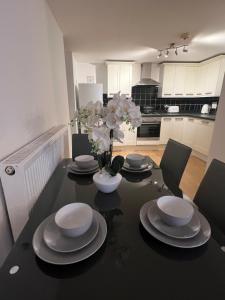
pixel 149 74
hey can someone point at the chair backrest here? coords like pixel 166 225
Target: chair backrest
pixel 210 197
pixel 173 164
pixel 80 145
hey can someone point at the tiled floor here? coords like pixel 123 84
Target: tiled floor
pixel 193 174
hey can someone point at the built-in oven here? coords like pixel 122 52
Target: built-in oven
pixel 150 128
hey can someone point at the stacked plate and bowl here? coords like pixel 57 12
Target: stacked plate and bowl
pixel 175 221
pixel 83 165
pixel 137 163
pixel 70 235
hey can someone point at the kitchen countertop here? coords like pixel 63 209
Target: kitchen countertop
pixel 211 117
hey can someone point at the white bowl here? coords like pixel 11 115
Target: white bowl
pixel 175 211
pixel 106 183
pixel 135 160
pixel 84 161
pixel 74 219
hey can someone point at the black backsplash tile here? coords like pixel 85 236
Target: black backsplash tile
pixel 148 96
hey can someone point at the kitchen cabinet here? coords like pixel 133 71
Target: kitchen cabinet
pixel 193 79
pixel 190 81
pixel 193 132
pixel 171 128
pixel 179 81
pixel 130 136
pixel 188 131
pixel 203 131
pixel 113 79
pixel 168 80
pixel 166 131
pixel 119 78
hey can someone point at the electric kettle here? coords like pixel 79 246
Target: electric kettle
pixel 205 109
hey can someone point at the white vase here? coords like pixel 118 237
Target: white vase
pixel 105 182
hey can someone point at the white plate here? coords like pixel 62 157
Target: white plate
pixel 179 232
pixel 78 172
pixel 127 166
pixel 201 238
pixel 147 169
pixel 73 166
pixel 56 241
pixel 57 258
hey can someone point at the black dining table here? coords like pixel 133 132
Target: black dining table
pixel 131 264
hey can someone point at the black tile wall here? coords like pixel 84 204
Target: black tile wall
pixel 147 95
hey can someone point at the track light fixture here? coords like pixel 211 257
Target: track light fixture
pixel 173 46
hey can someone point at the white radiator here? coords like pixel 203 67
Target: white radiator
pixel 25 173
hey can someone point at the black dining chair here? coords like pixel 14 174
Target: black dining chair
pixel 173 163
pixel 210 197
pixel 80 144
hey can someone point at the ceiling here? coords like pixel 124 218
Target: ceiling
pixel 98 30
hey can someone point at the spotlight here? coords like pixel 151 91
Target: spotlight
pixel 185 49
pixel 160 54
pixel 166 53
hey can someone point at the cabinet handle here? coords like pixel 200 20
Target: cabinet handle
pixel 191 120
pixel 189 94
pixel 167 119
pixel 208 93
pixel 205 122
pixel 199 94
pixel 178 94
pixel 167 94
pixel 179 119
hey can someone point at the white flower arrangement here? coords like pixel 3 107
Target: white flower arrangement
pixel 103 123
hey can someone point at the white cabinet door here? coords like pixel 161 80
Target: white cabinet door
pixel 189 131
pixel 199 83
pixel 179 81
pixel 190 81
pixel 210 74
pixel 113 79
pixel 119 78
pixel 168 80
pixel 203 136
pixel 177 129
pixel 166 130
pixel 125 79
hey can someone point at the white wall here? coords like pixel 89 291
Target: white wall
pixel 217 149
pixel 70 86
pixel 33 91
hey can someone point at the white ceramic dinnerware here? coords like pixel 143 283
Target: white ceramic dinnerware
pixel 180 232
pixel 198 240
pixel 175 211
pixel 107 183
pixel 135 160
pixel 84 161
pixel 59 258
pixel 57 241
pixel 74 169
pixel 74 219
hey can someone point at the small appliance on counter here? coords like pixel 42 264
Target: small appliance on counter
pixel 148 109
pixel 172 108
pixel 205 109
